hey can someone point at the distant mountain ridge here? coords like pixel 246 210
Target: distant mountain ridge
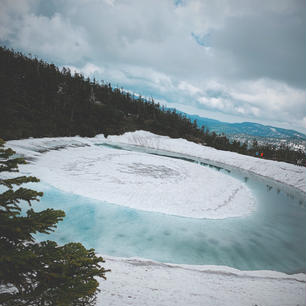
pixel 40 100
pixel 246 128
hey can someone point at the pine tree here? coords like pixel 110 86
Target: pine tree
pixel 33 273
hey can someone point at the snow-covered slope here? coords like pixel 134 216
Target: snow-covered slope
pixel 145 283
pixel 282 172
pixel 279 171
pixel 139 282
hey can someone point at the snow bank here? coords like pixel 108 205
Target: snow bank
pixel 139 282
pixel 279 171
pixel 136 180
pixel 33 148
pixel 146 283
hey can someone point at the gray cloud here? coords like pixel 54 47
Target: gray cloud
pixel 266 45
pixel 233 58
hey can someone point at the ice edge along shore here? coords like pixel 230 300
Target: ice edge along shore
pixel 136 281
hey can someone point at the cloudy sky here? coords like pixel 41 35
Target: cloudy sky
pixel 231 60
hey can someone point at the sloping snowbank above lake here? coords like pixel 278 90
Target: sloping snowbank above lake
pixel 136 180
pixel 279 171
pixel 145 283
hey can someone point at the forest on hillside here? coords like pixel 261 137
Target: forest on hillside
pixel 37 99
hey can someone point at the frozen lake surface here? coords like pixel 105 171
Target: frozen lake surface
pixel 268 235
pixel 144 181
pixel 271 238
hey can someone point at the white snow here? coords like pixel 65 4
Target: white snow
pixel 145 283
pixel 285 173
pixel 279 171
pixel 140 282
pixel 143 181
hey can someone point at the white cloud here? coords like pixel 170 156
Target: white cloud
pixel 53 37
pixel 271 96
pixel 215 103
pixel 11 12
pixel 252 69
pixel 90 69
pixel 187 87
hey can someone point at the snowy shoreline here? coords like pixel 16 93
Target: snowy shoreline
pixel 288 174
pixel 140 282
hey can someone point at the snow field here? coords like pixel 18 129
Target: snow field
pixel 145 283
pixel 289 174
pixel 144 182
pixel 140 282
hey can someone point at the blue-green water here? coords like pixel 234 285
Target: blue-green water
pixel 272 238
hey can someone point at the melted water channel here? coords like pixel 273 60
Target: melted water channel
pixel 272 238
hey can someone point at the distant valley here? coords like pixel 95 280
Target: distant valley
pixel 246 128
pixel 40 100
pixel 247 131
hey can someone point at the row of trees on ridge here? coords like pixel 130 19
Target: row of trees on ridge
pixel 38 99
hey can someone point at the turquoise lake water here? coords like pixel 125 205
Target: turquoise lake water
pixel 271 238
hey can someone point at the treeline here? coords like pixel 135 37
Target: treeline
pixel 40 100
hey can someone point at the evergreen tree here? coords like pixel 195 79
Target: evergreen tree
pixel 33 273
pixel 39 100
